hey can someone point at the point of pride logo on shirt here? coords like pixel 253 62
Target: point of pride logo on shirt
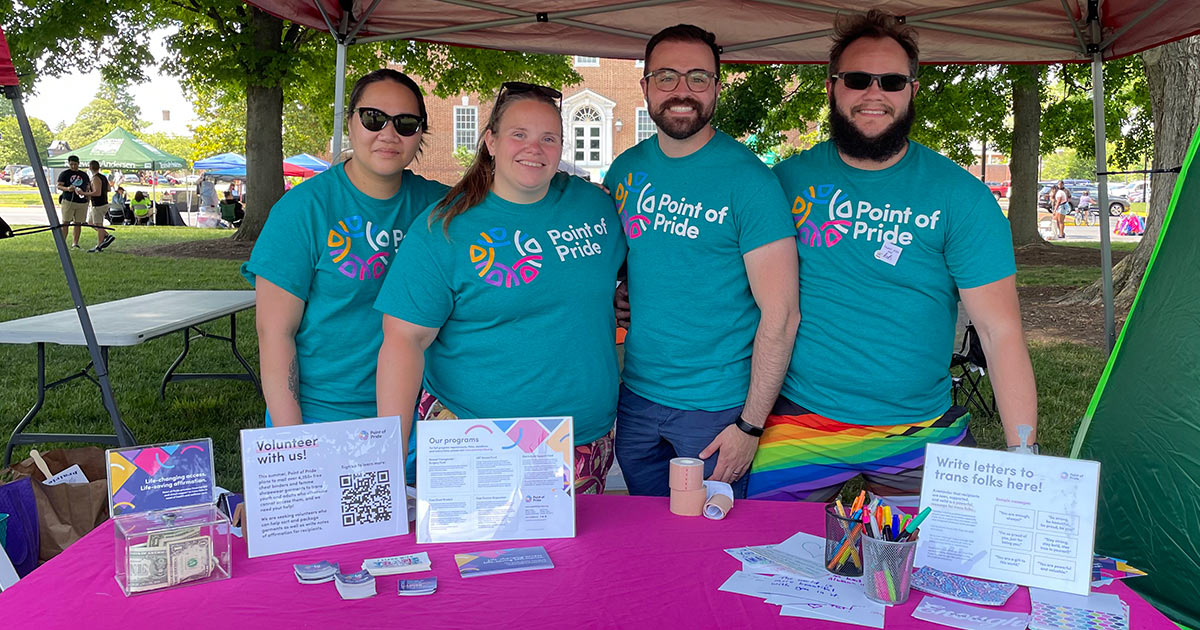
pixel 494 244
pixel 860 220
pixel 670 215
pixel 348 231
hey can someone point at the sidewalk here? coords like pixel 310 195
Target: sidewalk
pixel 37 216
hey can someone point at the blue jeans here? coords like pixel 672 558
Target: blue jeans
pixel 650 434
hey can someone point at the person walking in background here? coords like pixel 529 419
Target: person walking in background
pixel 73 183
pixel 98 194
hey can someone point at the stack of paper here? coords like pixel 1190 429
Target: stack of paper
pixel 316 573
pixel 791 575
pixel 1106 569
pixel 410 563
pixel 355 585
pixel 1053 610
pixel 423 586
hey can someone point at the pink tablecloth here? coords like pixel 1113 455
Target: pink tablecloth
pixel 632 565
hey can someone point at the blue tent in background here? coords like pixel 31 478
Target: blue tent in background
pixel 224 161
pixel 310 162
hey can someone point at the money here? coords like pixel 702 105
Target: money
pixel 189 559
pixel 423 586
pixel 316 573
pixel 161 537
pixel 355 585
pixel 148 568
pixel 392 565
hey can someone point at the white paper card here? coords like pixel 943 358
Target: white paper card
pixel 497 479
pixel 968 617
pixel 1025 519
pixel 72 474
pixel 321 484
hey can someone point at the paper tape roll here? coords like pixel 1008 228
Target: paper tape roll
pixel 719 499
pixel 688 502
pixel 686 473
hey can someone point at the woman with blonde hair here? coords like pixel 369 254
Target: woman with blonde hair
pixel 505 306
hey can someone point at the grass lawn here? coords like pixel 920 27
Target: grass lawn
pixel 1066 372
pixel 34 284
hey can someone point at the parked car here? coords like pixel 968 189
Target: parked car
pixel 131 178
pixel 25 176
pixel 1139 191
pixel 999 189
pixel 163 179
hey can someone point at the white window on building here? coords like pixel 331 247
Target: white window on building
pixel 645 126
pixel 466 126
pixel 586 62
pixel 587 126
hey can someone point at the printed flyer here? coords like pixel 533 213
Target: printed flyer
pixel 159 476
pixel 315 485
pixel 508 479
pixel 1025 519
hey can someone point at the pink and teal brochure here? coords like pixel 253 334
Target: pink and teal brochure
pixel 495 479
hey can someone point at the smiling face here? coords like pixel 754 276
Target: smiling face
pixel 383 154
pixel 872 111
pixel 681 113
pixel 526 147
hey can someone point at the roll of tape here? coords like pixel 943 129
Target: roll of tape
pixel 686 473
pixel 717 507
pixel 688 502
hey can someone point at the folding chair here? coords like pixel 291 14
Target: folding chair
pixel 228 214
pixel 968 369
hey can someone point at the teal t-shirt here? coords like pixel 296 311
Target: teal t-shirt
pixel 330 245
pixel 523 296
pixel 882 257
pixel 688 222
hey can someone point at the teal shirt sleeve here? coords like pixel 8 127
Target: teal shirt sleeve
pixel 764 216
pixel 422 294
pixel 284 253
pixel 979 247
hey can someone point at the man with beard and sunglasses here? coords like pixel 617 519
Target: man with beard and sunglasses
pixel 711 279
pixel 891 237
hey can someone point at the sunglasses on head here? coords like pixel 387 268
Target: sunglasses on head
pixel 892 82
pixel 375 120
pixel 520 87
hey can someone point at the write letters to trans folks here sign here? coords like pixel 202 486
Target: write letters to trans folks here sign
pixel 1026 519
pixel 322 484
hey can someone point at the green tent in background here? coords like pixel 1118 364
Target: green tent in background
pixel 121 150
pixel 1143 423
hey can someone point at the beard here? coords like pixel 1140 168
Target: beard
pixel 677 128
pixel 853 143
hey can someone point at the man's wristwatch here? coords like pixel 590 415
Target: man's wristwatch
pixel 747 428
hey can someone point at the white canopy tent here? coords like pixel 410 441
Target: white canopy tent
pixel 772 31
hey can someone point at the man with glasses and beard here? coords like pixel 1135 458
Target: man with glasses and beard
pixel 711 278
pixel 891 237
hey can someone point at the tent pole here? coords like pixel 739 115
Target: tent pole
pixel 122 433
pixel 339 98
pixel 1110 333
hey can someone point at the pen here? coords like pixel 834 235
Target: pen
pixel 840 510
pixel 896 526
pixel 916 522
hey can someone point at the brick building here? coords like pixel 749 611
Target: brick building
pixel 602 116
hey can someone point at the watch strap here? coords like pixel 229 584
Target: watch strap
pixel 747 428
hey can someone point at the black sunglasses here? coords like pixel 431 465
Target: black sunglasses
pixel 892 82
pixel 520 87
pixel 375 120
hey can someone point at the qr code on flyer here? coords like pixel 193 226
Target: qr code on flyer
pixel 366 497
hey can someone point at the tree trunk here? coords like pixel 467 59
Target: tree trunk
pixel 1023 189
pixel 264 127
pixel 1172 73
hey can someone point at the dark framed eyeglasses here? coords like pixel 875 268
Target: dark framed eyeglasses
pixel 666 80
pixel 375 120
pixel 521 87
pixel 891 82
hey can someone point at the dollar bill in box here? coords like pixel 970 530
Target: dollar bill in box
pixel 168 548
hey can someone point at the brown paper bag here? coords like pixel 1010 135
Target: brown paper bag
pixel 67 511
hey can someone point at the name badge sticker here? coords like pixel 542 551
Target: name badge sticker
pixel 889 253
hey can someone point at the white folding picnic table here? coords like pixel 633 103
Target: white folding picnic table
pixel 126 322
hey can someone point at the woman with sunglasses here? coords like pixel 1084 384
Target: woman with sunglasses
pixel 505 306
pixel 323 254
